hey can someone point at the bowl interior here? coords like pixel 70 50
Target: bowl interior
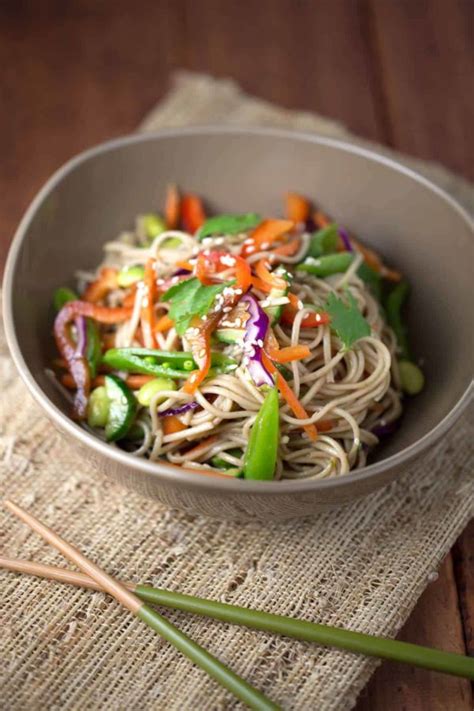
pixel 415 228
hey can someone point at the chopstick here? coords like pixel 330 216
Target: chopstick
pixel 369 645
pixel 197 654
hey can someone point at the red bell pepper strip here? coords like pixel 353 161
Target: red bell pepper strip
pixel 76 362
pixel 192 213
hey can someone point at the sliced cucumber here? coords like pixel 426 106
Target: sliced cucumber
pixel 274 312
pixel 122 408
pixel 230 335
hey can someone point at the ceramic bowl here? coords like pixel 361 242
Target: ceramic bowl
pixel 418 228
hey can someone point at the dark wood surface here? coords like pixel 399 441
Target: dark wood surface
pixel 397 71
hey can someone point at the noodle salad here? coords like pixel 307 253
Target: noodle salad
pixel 237 345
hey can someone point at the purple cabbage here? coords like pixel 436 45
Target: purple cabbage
pixel 181 272
pixel 255 332
pixel 345 239
pixel 81 328
pixel 381 431
pixel 180 409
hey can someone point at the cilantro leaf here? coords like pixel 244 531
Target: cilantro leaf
pixel 346 319
pixel 190 298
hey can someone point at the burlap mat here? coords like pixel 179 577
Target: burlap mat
pixel 361 567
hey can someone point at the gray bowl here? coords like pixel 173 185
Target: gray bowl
pixel 417 227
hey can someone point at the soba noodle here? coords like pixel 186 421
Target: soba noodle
pixel 356 390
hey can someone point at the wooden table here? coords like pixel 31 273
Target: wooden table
pixel 397 71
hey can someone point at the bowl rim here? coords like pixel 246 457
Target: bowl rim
pixel 171 473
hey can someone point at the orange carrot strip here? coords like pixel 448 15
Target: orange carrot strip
pixel 321 219
pixel 263 273
pixel 291 353
pixel 373 260
pixel 164 324
pixel 172 424
pixel 106 281
pixel 172 207
pixel 269 230
pixel 192 213
pixel 288 394
pixel 288 249
pixel 297 207
pixel 208 442
pixel 185 265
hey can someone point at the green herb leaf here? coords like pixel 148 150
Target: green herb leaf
pixel 346 319
pixel 190 298
pixel 229 224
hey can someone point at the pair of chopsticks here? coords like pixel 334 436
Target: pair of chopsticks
pixel 135 598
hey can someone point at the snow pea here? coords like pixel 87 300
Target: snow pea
pixel 167 364
pixel 395 301
pixel 327 264
pixel 323 241
pixel 261 453
pixel 62 295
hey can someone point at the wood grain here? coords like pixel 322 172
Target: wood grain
pixel 435 622
pixel 424 51
pixel 73 74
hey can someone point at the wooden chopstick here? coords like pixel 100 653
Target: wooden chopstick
pixel 416 655
pixel 197 654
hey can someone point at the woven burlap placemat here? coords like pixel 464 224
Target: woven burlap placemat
pixel 361 567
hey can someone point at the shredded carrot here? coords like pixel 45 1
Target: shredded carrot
pixel 288 394
pixel 321 219
pixel 373 260
pixel 262 271
pixel 288 249
pixel 243 273
pixel 268 231
pixel 164 324
pixel 129 298
pixel 148 316
pixel 311 320
pixel 297 207
pixel 326 425
pixel 291 353
pixel 261 285
pixel 202 446
pixel 185 265
pixel 192 213
pixel 172 207
pixel 106 281
pixel 172 424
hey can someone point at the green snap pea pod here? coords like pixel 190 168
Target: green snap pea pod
pixel 326 265
pixel 323 241
pixel 372 279
pixel 220 463
pixel 393 307
pixel 161 363
pixel 229 224
pixel 62 295
pixel 261 453
pixel 94 350
pixel 122 408
pixel 412 379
